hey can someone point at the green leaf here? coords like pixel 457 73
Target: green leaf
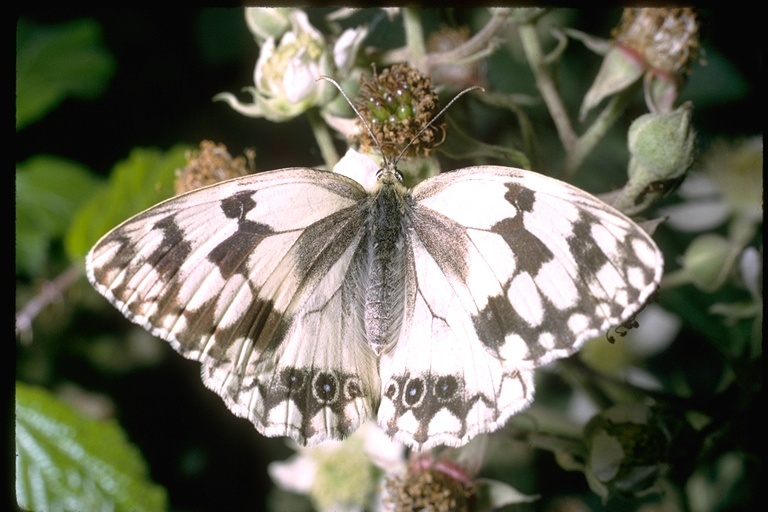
pixel 49 190
pixel 143 180
pixel 54 62
pixel 65 461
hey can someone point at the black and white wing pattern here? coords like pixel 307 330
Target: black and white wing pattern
pixel 508 270
pixel 315 305
pixel 247 277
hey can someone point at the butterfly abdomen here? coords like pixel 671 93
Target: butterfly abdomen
pixel 384 268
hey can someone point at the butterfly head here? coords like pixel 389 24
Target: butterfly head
pixel 388 173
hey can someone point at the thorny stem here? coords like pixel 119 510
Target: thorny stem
pixel 545 85
pixel 478 47
pixel 50 292
pixel 479 44
pixel 414 37
pixel 584 145
pixel 323 138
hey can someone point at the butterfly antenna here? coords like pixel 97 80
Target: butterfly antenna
pixel 432 121
pixel 359 115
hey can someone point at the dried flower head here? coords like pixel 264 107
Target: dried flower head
pixel 397 103
pixel 439 485
pixel 658 45
pixel 211 164
pixel 667 40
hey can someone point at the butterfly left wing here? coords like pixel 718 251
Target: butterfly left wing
pixel 507 271
pixel 250 277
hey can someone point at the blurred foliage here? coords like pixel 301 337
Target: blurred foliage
pixel 96 90
pixel 55 62
pixel 49 190
pixel 65 461
pixel 145 178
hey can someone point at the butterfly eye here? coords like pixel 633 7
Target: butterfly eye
pixel 446 387
pixel 414 392
pixel 393 390
pixel 292 378
pixel 352 388
pixel 325 387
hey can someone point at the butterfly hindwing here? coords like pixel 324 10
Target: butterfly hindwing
pixel 440 384
pixel 247 277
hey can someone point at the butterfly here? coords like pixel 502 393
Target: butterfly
pixel 315 304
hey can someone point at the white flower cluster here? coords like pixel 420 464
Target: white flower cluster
pixel 293 55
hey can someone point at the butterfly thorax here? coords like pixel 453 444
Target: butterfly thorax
pixel 383 267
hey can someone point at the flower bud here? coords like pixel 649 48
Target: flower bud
pixel 706 261
pixel 662 149
pixel 661 145
pixel 268 22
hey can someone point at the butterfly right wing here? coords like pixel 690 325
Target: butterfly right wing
pixel 250 277
pixel 506 271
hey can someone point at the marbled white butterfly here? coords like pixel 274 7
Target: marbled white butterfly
pixel 315 305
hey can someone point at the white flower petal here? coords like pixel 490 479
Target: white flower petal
pixel 656 330
pixel 301 23
pixel 698 185
pixel 295 474
pixel 384 452
pixel 346 47
pixel 359 167
pixel 751 269
pixel 692 217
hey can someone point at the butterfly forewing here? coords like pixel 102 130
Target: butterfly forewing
pixel 548 265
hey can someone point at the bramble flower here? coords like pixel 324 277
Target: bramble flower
pixel 729 190
pixel 286 72
pixel 342 475
pixel 656 44
pixel 359 167
pixel 368 471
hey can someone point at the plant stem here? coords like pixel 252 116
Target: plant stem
pixel 323 138
pixel 536 59
pixel 414 37
pixel 583 146
pixel 478 46
pixel 50 292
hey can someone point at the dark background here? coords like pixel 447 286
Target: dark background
pixel 170 63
